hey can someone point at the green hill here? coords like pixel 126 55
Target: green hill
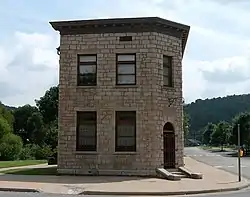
pixel 214 110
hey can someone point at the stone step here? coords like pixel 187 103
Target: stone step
pixel 178 173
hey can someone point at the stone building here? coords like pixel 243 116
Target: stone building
pixel 120 95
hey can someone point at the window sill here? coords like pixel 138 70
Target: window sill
pixel 126 86
pixel 168 87
pixel 86 153
pixel 125 153
pixel 86 87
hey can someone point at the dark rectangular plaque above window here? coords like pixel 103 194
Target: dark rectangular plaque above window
pixel 126 38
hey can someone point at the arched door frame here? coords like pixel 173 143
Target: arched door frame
pixel 169 145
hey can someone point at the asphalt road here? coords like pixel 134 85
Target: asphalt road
pixel 245 193
pixel 220 160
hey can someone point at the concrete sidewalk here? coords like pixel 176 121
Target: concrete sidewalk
pixel 214 180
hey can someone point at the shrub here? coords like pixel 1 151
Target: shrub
pixel 42 152
pixel 10 146
pixel 27 152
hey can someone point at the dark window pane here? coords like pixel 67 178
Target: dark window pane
pixel 126 69
pixel 85 69
pixel 125 131
pixel 86 131
pixel 126 79
pixel 126 141
pixel 167 60
pixel 166 80
pixel 167 71
pixel 87 79
pixel 87 141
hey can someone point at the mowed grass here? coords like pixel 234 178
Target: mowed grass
pixel 8 164
pixel 33 171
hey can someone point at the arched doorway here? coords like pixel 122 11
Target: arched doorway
pixel 169 145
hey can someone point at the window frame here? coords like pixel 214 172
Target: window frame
pixel 170 71
pixel 79 147
pixel 125 148
pixel 79 63
pixel 125 62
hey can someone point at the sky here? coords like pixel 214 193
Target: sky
pixel 216 62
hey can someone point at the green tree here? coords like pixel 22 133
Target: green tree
pixel 215 110
pixel 35 127
pixel 207 132
pixel 4 127
pixel 221 134
pixel 21 116
pixel 48 105
pixel 6 114
pixel 186 124
pixel 10 147
pixel 243 119
pixel 51 134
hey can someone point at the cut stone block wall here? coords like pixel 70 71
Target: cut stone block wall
pixel 148 98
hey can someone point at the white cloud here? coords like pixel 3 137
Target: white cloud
pixel 216 61
pixel 29 66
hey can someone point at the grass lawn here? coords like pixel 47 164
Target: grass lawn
pixel 34 171
pixel 8 164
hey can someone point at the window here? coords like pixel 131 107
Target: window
pixel 126 70
pixel 86 131
pixel 87 70
pixel 125 131
pixel 167 71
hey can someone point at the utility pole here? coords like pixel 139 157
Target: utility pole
pixel 239 150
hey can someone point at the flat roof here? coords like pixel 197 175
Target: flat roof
pixel 124 25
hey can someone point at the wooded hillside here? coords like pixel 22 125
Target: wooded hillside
pixel 202 112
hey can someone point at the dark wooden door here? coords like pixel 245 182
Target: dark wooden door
pixel 169 149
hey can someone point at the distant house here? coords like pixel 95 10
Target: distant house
pixel 120 95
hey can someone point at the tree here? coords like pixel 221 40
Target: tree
pixel 207 132
pixel 21 116
pixel 243 119
pixel 186 124
pixel 51 134
pixel 4 127
pixel 221 134
pixel 6 114
pixel 35 128
pixel 10 147
pixel 48 105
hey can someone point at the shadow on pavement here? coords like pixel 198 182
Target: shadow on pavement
pixel 65 179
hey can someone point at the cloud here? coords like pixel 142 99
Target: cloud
pixel 216 61
pixel 29 66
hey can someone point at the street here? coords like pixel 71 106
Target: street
pixel 15 194
pixel 220 160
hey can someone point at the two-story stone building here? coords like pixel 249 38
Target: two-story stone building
pixel 120 95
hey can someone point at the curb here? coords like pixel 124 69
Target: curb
pixel 8 189
pixel 164 193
